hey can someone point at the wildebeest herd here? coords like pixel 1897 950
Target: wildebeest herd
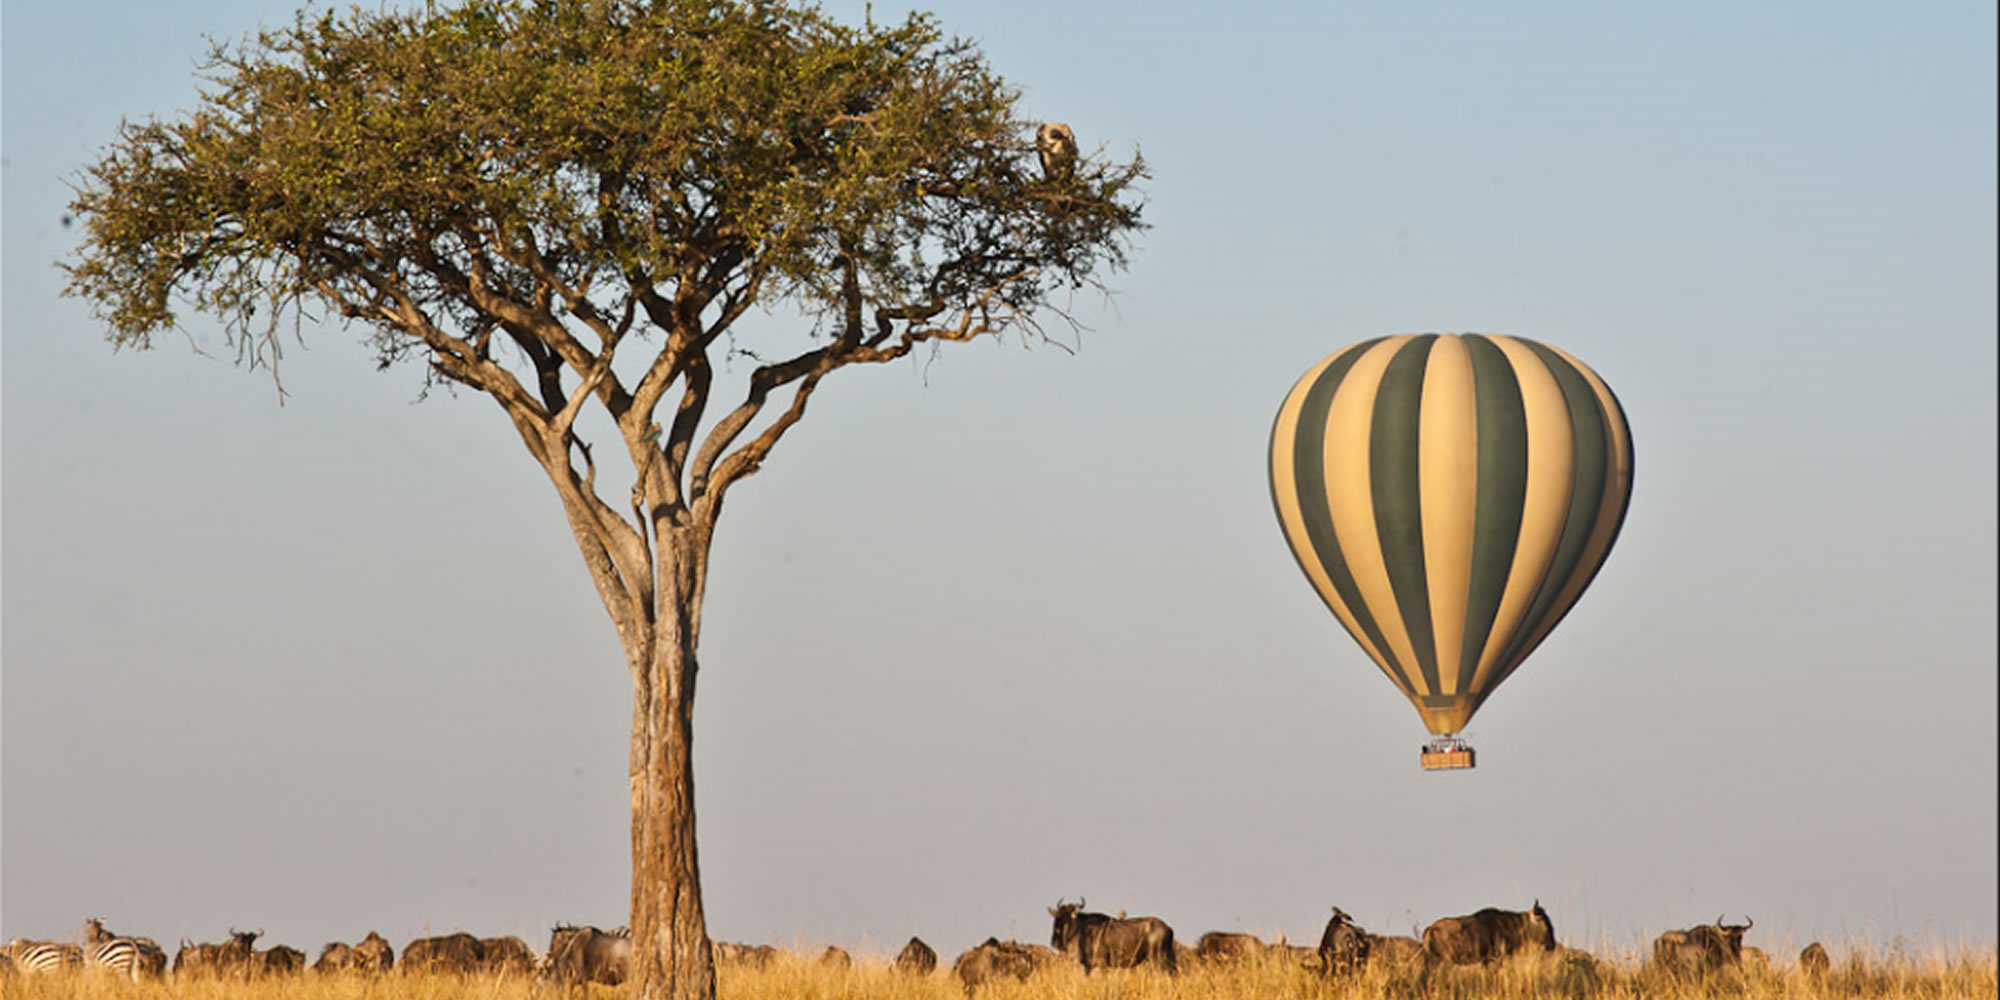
pixel 580 955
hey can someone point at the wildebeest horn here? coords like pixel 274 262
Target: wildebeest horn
pixel 1718 918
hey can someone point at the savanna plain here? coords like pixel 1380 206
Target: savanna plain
pixel 1965 973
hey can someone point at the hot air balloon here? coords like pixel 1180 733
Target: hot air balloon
pixel 1450 496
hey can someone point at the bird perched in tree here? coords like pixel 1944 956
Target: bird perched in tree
pixel 1057 146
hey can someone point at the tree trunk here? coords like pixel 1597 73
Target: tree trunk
pixel 671 958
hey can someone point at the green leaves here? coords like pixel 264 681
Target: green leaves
pixel 675 148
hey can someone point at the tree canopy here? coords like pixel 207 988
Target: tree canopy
pixel 560 176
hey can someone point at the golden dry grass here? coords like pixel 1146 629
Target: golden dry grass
pixel 1962 974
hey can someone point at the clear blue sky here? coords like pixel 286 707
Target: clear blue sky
pixel 1019 625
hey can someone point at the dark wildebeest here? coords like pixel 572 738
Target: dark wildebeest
pixel 916 958
pixel 279 961
pixel 1814 962
pixel 373 955
pixel 1098 940
pixel 1343 946
pixel 1228 946
pixel 756 956
pixel 506 956
pixel 335 957
pixel 1395 951
pixel 582 955
pixel 237 957
pixel 452 954
pixel 997 959
pixel 1700 950
pixel 1490 935
pixel 836 957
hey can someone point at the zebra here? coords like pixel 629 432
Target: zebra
pixel 44 956
pixel 133 957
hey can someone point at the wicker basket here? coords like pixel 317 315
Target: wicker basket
pixel 1447 760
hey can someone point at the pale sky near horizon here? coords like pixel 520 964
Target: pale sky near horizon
pixel 1016 625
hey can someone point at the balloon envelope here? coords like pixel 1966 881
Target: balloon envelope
pixel 1450 496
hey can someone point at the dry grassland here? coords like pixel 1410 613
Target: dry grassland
pixel 1966 974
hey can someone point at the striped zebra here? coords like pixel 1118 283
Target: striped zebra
pixel 44 956
pixel 135 958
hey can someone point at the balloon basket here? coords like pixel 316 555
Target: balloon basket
pixel 1447 753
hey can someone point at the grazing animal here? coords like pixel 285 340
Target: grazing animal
pixel 1343 946
pixel 1755 958
pixel 1056 145
pixel 36 957
pixel 1099 940
pixel 1699 951
pixel 1395 951
pixel 916 958
pixel 1227 946
pixel 836 957
pixel 373 956
pixel 335 957
pixel 1814 962
pixel 232 958
pixel 134 958
pixel 279 961
pixel 997 959
pixel 507 956
pixel 756 956
pixel 456 954
pixel 1489 935
pixel 579 956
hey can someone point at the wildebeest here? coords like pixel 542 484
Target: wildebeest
pixel 997 959
pixel 456 954
pixel 1395 951
pixel 916 958
pixel 1099 940
pixel 581 955
pixel 836 957
pixel 756 956
pixel 279 960
pixel 235 957
pixel 372 955
pixel 335 956
pixel 1489 935
pixel 1343 946
pixel 1228 946
pixel 506 956
pixel 1813 960
pixel 1700 950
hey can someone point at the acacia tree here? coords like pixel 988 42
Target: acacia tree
pixel 568 205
